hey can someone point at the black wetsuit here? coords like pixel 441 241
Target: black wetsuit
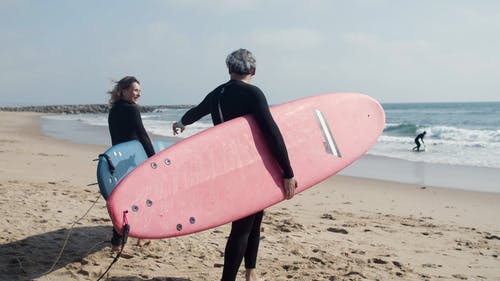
pixel 417 142
pixel 125 124
pixel 237 98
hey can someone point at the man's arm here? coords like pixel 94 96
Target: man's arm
pixel 191 116
pixel 276 143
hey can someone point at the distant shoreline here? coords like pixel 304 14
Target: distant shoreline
pixel 84 108
pixel 78 132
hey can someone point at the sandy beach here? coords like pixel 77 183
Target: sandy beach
pixel 345 228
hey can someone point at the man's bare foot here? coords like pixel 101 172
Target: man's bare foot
pixel 143 242
pixel 251 275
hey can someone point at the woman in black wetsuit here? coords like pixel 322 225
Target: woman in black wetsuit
pixel 236 98
pixel 125 124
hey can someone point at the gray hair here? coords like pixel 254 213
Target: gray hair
pixel 241 62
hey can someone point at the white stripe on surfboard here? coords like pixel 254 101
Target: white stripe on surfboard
pixel 331 145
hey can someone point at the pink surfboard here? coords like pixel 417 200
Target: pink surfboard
pixel 227 172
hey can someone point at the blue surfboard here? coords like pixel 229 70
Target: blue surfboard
pixel 119 160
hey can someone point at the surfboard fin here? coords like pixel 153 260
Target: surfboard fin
pixel 330 144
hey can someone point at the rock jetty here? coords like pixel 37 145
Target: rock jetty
pixel 84 108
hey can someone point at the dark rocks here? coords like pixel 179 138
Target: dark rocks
pixel 83 108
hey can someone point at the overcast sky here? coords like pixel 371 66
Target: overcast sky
pixel 67 52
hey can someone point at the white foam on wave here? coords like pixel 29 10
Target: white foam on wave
pixel 459 134
pixel 453 152
pixel 89 119
pixel 445 144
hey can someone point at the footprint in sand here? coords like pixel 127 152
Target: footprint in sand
pixel 328 217
pixel 491 237
pixel 431 265
pixel 337 230
pixel 317 260
pixel 127 256
pixel 377 261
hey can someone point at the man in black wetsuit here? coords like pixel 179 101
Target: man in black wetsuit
pixel 125 124
pixel 231 100
pixel 417 142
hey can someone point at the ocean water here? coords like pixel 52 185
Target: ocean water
pixel 457 133
pixel 462 142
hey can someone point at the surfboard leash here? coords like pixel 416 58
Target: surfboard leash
pixel 69 234
pixel 111 167
pixel 126 230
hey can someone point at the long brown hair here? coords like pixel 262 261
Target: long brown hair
pixel 123 84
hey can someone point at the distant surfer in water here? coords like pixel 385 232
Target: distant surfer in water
pixel 233 99
pixel 125 124
pixel 420 137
